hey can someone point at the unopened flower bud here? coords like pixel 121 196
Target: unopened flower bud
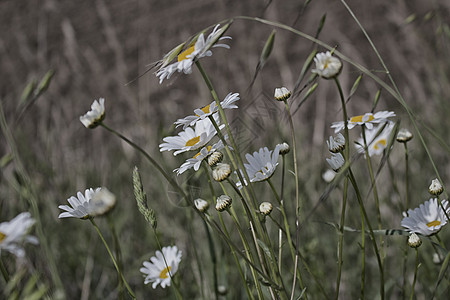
pixel 201 205
pixel 265 208
pixel 221 172
pixel 284 148
pixel 404 135
pixel 336 144
pixel 214 158
pixel 223 203
pixel 282 94
pixel 435 187
pixel 414 241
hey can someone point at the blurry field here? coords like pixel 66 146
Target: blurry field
pixel 96 47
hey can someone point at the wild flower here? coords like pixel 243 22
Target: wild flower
pixel 336 144
pixel 93 203
pixel 221 172
pixel 262 164
pixel 196 161
pixel 435 187
pixel 265 208
pixel 223 202
pixel 428 218
pixel 368 119
pixel 96 115
pixel 191 139
pixel 376 141
pixel 201 205
pixel 404 135
pixel 327 66
pixel 206 111
pixel 282 94
pixel 200 49
pixel 336 161
pixel 14 233
pixel 162 267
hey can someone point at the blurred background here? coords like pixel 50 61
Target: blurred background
pixel 104 48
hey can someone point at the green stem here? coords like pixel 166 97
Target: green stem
pixel 371 233
pixel 4 271
pixel 112 258
pixel 416 268
pixel 118 253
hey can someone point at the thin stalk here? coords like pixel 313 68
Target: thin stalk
pixel 374 190
pixel 113 259
pixel 118 253
pixel 371 234
pixel 4 271
pixel 280 232
pixel 232 213
pixel 344 196
pixel 363 250
pixel 212 252
pixel 297 200
pixel 416 269
pixel 405 252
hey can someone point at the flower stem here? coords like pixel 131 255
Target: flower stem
pixel 4 271
pixel 112 258
pixel 416 268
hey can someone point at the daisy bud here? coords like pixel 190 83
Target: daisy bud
pixel 336 161
pixel 404 135
pixel 223 203
pixel 201 205
pixel 221 172
pixel 265 208
pixel 214 158
pixel 96 115
pixel 102 202
pixel 284 148
pixel 328 175
pixel 435 187
pixel 327 66
pixel 414 241
pixel 222 290
pixel 437 259
pixel 282 94
pixel 336 144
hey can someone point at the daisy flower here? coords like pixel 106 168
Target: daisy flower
pixel 375 144
pixel 191 139
pixel 262 164
pixel 367 119
pixel 80 206
pixel 96 115
pixel 14 233
pixel 196 161
pixel 336 161
pixel 327 66
pixel 336 144
pixel 161 267
pixel 282 94
pixel 200 49
pixel 427 219
pixel 206 111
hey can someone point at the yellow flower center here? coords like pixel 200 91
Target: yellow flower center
pixel 208 148
pixel 205 109
pixel 182 55
pixel 434 223
pixel 381 144
pixel 360 119
pixel 164 272
pixel 2 236
pixel 192 141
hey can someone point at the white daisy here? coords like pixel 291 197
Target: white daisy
pixel 282 94
pixel 191 139
pixel 367 119
pixel 336 161
pixel 196 161
pixel 80 206
pixel 162 267
pixel 204 112
pixel 327 66
pixel 375 144
pixel 96 115
pixel 336 144
pixel 427 219
pixel 262 164
pixel 200 49
pixel 14 233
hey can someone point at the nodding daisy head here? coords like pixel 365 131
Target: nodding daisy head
pixel 96 115
pixel 282 94
pixel 327 65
